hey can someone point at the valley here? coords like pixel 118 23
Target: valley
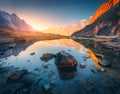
pixel 10 36
pixel 60 56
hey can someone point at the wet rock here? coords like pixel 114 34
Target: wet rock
pixel 47 57
pixel 100 56
pixel 118 76
pixel 28 60
pixel 67 74
pixel 47 87
pixel 14 76
pixel 23 71
pixel 65 60
pixel 86 57
pixel 17 75
pixel 11 46
pixel 92 83
pixel 36 69
pixel 107 47
pixel 32 53
pixel 69 50
pixel 102 70
pixel 108 71
pixel 25 90
pixel 104 63
pixel 52 82
pixel 51 73
pixel 1 53
pixel 82 65
pixel 94 70
pixel 116 53
pixel 115 40
pixel 45 66
pixel 82 82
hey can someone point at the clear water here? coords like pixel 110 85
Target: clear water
pixel 30 62
pixel 73 82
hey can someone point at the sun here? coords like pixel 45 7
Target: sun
pixel 37 28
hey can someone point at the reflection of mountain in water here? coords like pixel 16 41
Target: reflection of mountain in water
pixel 6 51
pixel 66 42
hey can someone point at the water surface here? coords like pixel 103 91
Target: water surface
pixel 76 81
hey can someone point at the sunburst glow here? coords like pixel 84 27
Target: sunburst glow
pixel 38 28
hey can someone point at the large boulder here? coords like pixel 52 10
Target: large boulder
pixel 65 60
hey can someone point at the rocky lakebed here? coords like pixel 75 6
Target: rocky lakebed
pixel 60 66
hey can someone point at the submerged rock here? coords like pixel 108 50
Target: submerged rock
pixel 47 57
pixel 14 76
pixel 51 73
pixel 67 74
pixel 1 53
pixel 11 46
pixel 104 63
pixel 102 70
pixel 28 60
pixel 92 83
pixel 94 70
pixel 45 66
pixel 17 75
pixel 82 65
pixel 47 87
pixel 65 60
pixel 118 76
pixel 32 53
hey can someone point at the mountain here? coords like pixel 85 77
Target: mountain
pixel 67 30
pixel 14 51
pixel 11 26
pixel 13 22
pixel 104 8
pixel 106 21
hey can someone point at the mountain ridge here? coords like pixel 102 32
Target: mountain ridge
pixel 107 24
pixel 15 30
pixel 103 9
pixel 68 30
pixel 13 22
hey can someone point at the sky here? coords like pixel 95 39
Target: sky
pixel 43 14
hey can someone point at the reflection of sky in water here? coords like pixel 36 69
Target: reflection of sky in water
pixel 40 47
pixel 52 74
pixel 51 46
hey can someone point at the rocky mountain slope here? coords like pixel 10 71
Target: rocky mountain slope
pixel 106 21
pixel 13 22
pixel 104 8
pixel 13 29
pixel 68 30
pixel 11 36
